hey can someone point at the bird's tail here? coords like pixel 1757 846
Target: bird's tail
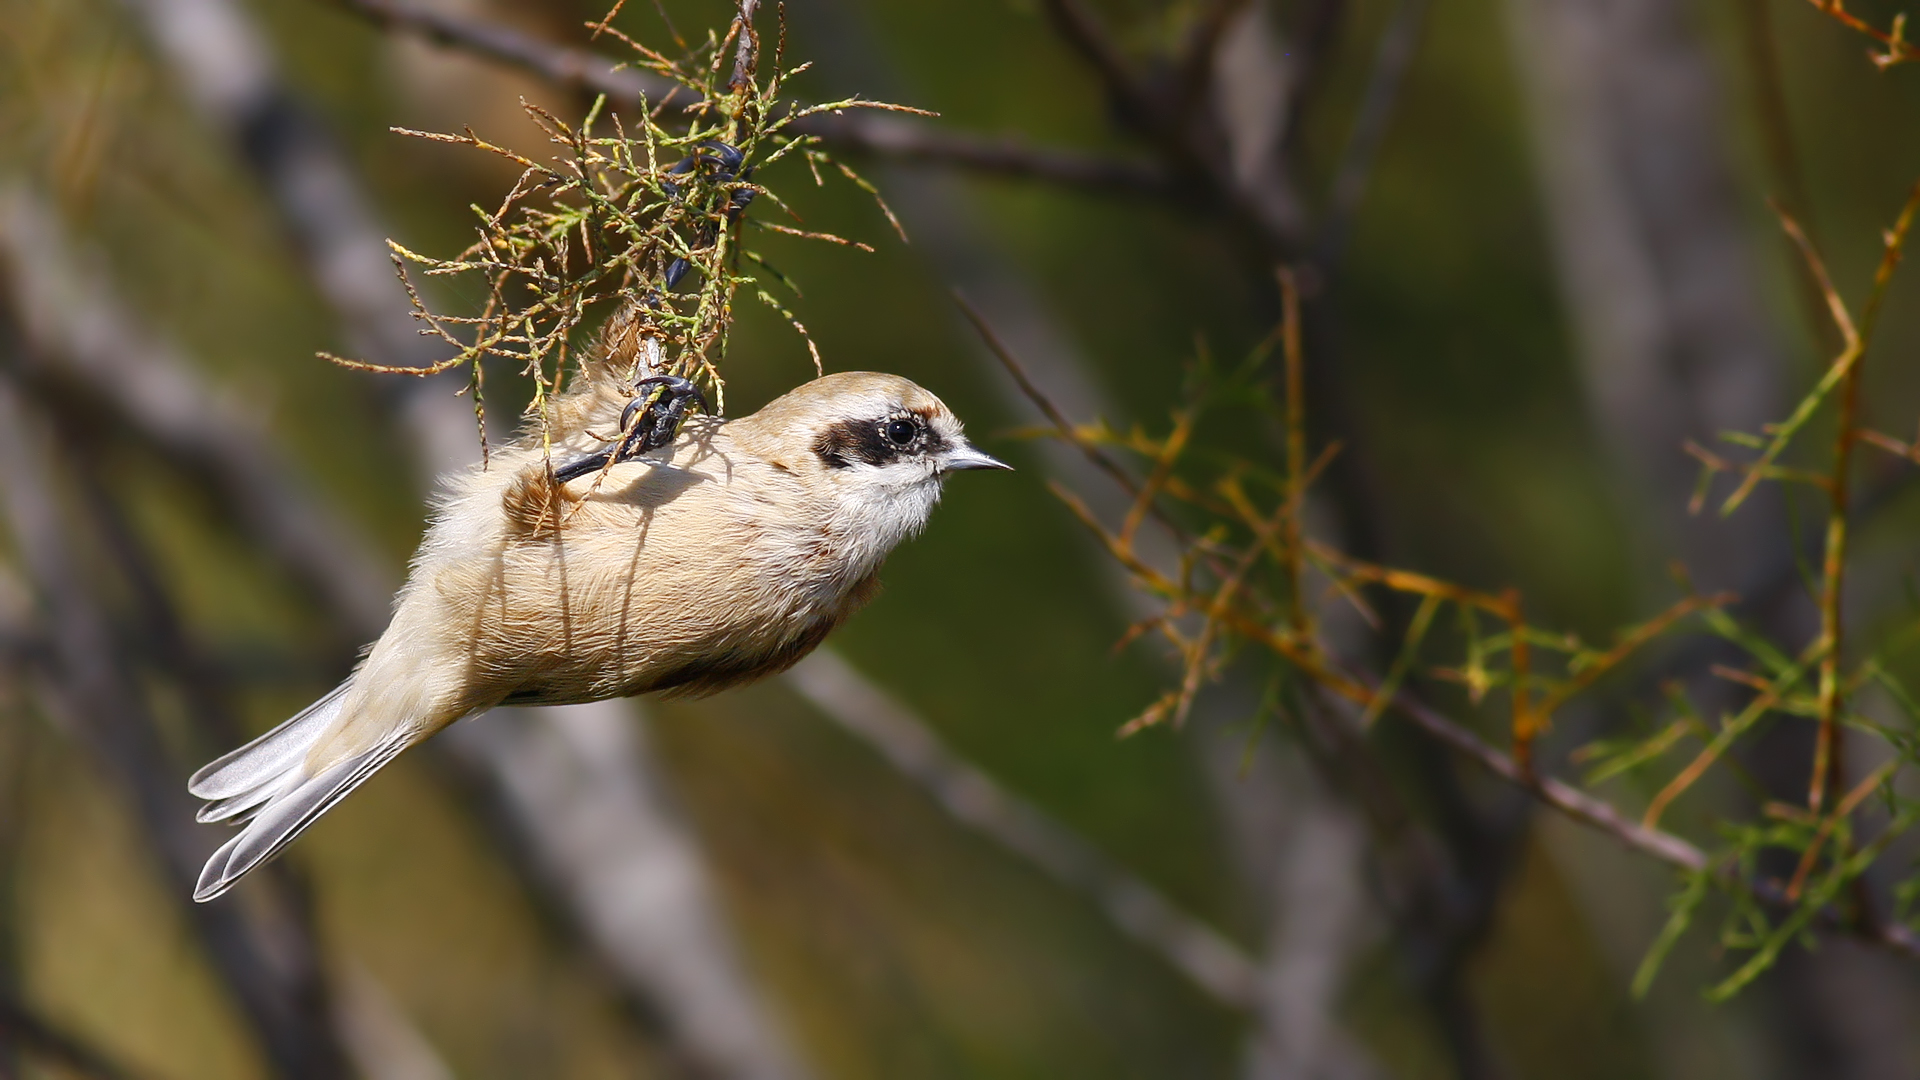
pixel 266 784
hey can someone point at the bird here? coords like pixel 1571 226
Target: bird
pixel 673 553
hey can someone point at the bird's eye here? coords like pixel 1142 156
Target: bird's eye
pixel 901 432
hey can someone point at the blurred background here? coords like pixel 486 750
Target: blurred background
pixel 1538 256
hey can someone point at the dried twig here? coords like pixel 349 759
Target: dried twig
pixel 1896 49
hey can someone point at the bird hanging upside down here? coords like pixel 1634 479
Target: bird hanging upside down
pixel 667 555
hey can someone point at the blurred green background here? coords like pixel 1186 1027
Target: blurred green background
pixel 887 939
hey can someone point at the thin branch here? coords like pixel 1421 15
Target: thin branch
pixel 1564 797
pixel 579 69
pixel 858 132
pixel 1897 49
pixel 1141 912
pixel 1099 460
pixel 899 139
pixel 1086 35
pixel 1828 751
pixel 1270 208
pixel 1602 816
pixel 746 49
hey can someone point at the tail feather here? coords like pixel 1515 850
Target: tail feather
pixel 266 784
pixel 239 808
pixel 284 816
pixel 267 759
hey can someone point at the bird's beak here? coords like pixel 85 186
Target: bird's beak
pixel 966 457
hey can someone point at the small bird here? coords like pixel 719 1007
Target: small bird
pixel 621 551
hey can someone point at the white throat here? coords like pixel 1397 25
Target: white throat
pixel 874 517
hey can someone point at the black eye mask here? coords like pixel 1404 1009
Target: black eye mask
pixel 877 442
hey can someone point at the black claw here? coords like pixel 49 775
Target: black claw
pixel 592 463
pixel 645 424
pixel 722 161
pixel 728 157
pixel 737 202
pixel 725 159
pixel 659 421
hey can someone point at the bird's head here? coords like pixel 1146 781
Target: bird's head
pixel 878 445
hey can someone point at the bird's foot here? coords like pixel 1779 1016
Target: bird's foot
pixel 721 162
pixel 650 424
pixel 647 423
pixel 721 159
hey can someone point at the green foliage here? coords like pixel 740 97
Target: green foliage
pixel 1683 906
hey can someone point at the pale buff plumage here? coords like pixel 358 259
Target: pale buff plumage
pixel 723 557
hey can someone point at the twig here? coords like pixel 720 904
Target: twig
pixel 746 49
pixel 1898 49
pixel 1840 370
pixel 893 137
pixel 579 69
pixel 1293 540
pixel 1045 404
pixel 1629 643
pixel 1828 765
pixel 1558 794
pixel 1271 209
pixel 900 139
pixel 1762 56
pixel 1601 815
pixel 1082 30
pixel 1827 751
